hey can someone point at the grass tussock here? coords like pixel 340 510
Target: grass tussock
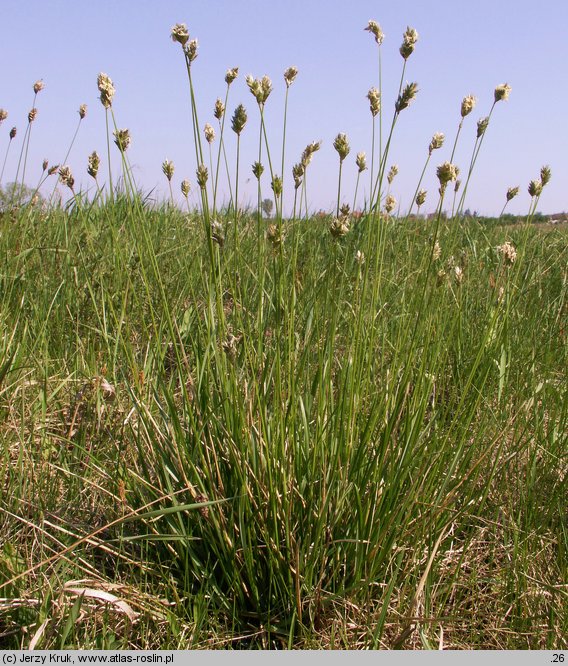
pixel 313 431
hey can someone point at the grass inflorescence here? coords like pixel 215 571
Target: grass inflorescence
pixel 344 430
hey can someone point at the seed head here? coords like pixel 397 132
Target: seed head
pixel 512 192
pixel 420 198
pixel 168 169
pixel 309 150
pixel 38 86
pixel 437 251
pixel 202 176
pixel 437 142
pixel 209 133
pixel 44 165
pixel 361 162
pixel 274 236
pixel 339 227
pixel 13 133
pixel 390 203
pixel 217 233
pixel 239 119
pixel 82 111
pixel 122 139
pixel 260 88
pixel 257 170
pixel 502 92
pixel 185 187
pixel 94 162
pixel 219 109
pixel 360 257
pixel 52 169
pixel 458 274
pixel 535 188
pixel 276 186
pixel 508 253
pixel 468 104
pixel 341 145
pixel 375 29
pixel 407 95
pixel 231 75
pixel 374 97
pixel 32 115
pixel 482 126
pixel 66 177
pixel 106 89
pixel 180 33
pixel 190 50
pixel 3 115
pixel 290 75
pixel 409 40
pixel 457 185
pixel 545 175
pixel 446 172
pixel 298 174
pixel 393 171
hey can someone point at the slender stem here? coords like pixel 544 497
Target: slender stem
pixel 339 187
pixel 108 154
pixel 5 158
pixel 237 189
pixel 475 153
pixel 372 174
pixel 418 186
pixel 221 147
pixel 356 188
pixel 284 137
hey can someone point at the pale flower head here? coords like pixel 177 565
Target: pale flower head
pixel 446 172
pixel 209 133
pixel 406 96
pixel 180 33
pixel 390 203
pixel 421 197
pixel 545 175
pixel 219 109
pixel 512 192
pixel 482 125
pixel 231 75
pixel 508 253
pixel 185 187
pixel 106 89
pixel 66 177
pixel 361 161
pixel 535 188
pixel 502 92
pixel 374 97
pixel 375 29
pixel 38 86
pixel 94 162
pixel 341 145
pixel 3 115
pixel 168 169
pixel 290 75
pixel 190 50
pixel 122 139
pixel 436 142
pixel 82 111
pixel 393 172
pixel 467 105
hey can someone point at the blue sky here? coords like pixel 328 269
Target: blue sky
pixel 463 48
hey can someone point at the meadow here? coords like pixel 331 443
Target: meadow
pixel 224 429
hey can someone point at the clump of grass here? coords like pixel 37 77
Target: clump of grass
pixel 346 433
